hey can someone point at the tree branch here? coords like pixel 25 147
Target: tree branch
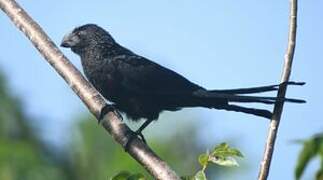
pixel 90 97
pixel 278 109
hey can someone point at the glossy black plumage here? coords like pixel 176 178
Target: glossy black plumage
pixel 143 89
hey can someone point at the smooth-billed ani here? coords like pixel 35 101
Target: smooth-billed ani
pixel 141 88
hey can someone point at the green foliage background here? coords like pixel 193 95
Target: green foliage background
pixel 312 148
pixel 90 152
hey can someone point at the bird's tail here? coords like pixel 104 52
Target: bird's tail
pixel 222 99
pixel 257 112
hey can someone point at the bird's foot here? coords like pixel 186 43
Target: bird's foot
pixel 106 109
pixel 131 136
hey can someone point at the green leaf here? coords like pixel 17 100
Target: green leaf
pixel 236 152
pixel 311 148
pixel 224 150
pixel 200 175
pixel 228 161
pixel 223 155
pixel 136 177
pixel 221 146
pixel 123 175
pixel 187 178
pixel 203 159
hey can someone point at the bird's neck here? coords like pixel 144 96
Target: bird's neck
pixel 93 58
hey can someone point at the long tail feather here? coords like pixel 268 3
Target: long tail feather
pixel 259 89
pixel 243 98
pixel 222 99
pixel 258 112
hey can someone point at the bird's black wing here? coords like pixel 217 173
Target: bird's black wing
pixel 141 75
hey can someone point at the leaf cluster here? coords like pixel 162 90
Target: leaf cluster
pixel 312 148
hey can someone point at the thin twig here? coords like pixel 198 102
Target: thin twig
pixel 90 97
pixel 278 109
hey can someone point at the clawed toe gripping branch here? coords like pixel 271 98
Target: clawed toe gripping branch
pixel 111 120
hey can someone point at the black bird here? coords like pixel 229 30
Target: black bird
pixel 141 88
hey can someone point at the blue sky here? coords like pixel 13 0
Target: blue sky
pixel 217 44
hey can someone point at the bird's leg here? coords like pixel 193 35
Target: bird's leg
pixel 138 133
pixel 141 128
pixel 106 109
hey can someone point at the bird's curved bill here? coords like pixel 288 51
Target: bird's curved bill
pixel 70 40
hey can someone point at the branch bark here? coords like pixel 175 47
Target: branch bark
pixel 87 93
pixel 278 109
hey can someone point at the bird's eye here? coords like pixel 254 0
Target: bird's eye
pixel 81 33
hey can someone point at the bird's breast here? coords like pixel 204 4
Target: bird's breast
pixel 107 86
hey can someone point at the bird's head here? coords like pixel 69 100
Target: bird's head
pixel 87 37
